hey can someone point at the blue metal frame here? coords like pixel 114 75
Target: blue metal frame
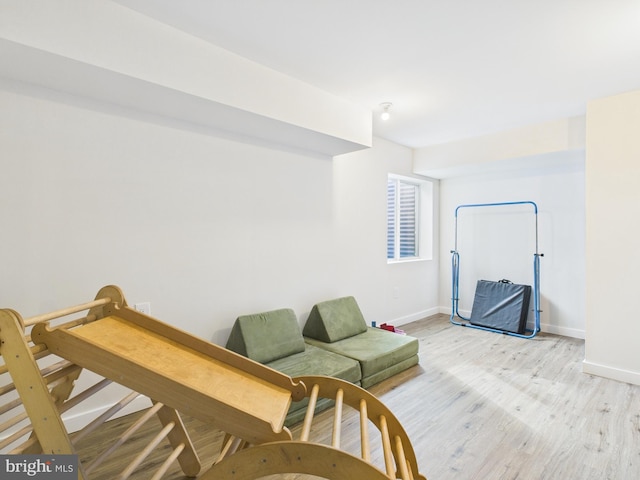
pixel 455 267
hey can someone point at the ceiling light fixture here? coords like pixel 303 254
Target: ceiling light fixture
pixel 385 110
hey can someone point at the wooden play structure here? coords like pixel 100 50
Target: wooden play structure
pixel 43 357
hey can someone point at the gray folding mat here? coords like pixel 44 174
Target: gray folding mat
pixel 501 305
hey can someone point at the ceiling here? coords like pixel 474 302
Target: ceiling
pixel 452 68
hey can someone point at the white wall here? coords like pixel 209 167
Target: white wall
pixel 400 292
pixel 613 260
pixel 499 242
pixel 204 227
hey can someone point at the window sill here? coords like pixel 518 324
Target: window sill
pixel 407 260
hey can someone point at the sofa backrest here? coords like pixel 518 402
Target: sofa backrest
pixel 266 336
pixel 335 320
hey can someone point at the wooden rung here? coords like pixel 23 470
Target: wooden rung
pixel 386 447
pixel 54 367
pixel 15 436
pixel 39 351
pixel 126 473
pixel 168 462
pixel 308 417
pixel 72 402
pixel 364 432
pixel 125 436
pixel 13 421
pixel 66 311
pixel 401 460
pixel 8 407
pixel 410 470
pixel 77 322
pixel 337 419
pixel 9 387
pixel 90 427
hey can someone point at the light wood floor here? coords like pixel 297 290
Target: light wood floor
pixel 487 406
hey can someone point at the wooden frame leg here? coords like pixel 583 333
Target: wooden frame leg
pixel 179 438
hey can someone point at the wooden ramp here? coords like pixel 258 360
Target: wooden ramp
pixel 178 372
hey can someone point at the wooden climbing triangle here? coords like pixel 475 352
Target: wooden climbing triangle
pixel 179 373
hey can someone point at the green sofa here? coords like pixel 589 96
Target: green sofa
pixel 274 339
pixel 338 326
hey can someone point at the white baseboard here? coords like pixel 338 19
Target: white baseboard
pixel 613 373
pixel 415 316
pixel 564 331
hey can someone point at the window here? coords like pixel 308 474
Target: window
pixel 408 202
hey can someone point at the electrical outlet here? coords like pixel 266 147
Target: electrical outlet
pixel 143 307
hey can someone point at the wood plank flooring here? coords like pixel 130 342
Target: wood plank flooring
pixel 484 406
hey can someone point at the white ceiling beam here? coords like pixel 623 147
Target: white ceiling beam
pixel 104 51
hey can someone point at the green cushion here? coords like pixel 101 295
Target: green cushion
pixel 335 320
pixel 315 361
pixel 265 337
pixel 376 350
pixel 389 372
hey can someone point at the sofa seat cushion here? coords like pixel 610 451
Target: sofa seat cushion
pixel 334 320
pixel 376 350
pixel 315 361
pixel 265 337
pixel 377 377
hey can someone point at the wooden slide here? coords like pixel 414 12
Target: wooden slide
pixel 44 355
